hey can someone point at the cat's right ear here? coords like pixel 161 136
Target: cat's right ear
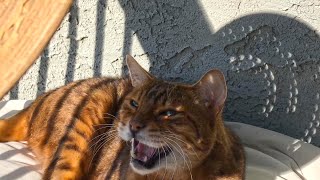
pixel 212 87
pixel 137 74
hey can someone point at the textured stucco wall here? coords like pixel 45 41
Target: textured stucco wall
pixel 269 51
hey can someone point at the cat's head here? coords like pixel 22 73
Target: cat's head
pixel 170 125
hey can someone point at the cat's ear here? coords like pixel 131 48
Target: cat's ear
pixel 137 74
pixel 212 87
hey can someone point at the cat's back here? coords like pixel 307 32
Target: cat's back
pixel 70 114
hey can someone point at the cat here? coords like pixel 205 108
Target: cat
pixel 137 127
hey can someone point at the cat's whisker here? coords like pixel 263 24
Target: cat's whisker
pixel 100 146
pixel 159 165
pixel 190 147
pixel 181 154
pixel 158 161
pixel 110 115
pixel 111 118
pixel 184 155
pixel 99 136
pixel 103 128
pixel 175 159
pixel 107 117
pixel 104 135
pixel 103 140
pixel 94 145
pixel 165 171
pixel 106 124
pixel 173 135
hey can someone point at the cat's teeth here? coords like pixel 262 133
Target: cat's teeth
pixel 145 158
pixel 133 155
pixel 132 151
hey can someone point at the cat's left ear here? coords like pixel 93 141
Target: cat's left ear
pixel 212 87
pixel 138 75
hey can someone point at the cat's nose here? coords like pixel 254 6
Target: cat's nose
pixel 136 126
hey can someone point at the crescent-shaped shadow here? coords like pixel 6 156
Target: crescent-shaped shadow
pixel 271 61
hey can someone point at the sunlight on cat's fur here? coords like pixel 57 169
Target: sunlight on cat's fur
pixel 139 127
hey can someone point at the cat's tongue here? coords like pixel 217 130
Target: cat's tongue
pixel 143 152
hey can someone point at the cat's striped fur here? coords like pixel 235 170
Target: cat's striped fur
pixel 60 124
pixel 82 130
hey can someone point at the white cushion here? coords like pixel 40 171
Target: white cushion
pixel 269 155
pixel 17 162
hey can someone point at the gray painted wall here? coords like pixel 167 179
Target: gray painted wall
pixel 268 50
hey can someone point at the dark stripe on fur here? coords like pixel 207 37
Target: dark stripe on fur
pixel 95 101
pixel 194 124
pixel 73 147
pixel 82 134
pixel 37 110
pixel 116 162
pixel 64 166
pixel 142 94
pixel 153 91
pixel 99 153
pixel 54 114
pixel 77 112
pixel 160 96
pixel 93 114
pixel 71 139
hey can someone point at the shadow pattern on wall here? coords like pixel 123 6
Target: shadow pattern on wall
pixel 271 61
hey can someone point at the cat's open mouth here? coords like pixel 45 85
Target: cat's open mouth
pixel 147 156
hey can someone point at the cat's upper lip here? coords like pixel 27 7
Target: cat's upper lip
pixel 150 143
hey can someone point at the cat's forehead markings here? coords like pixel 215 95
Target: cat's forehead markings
pixel 179 106
pixel 156 92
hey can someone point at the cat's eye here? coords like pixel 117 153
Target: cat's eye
pixel 169 113
pixel 134 104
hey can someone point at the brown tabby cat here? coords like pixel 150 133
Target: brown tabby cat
pixel 137 128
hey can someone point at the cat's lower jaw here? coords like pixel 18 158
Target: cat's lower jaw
pixel 140 169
